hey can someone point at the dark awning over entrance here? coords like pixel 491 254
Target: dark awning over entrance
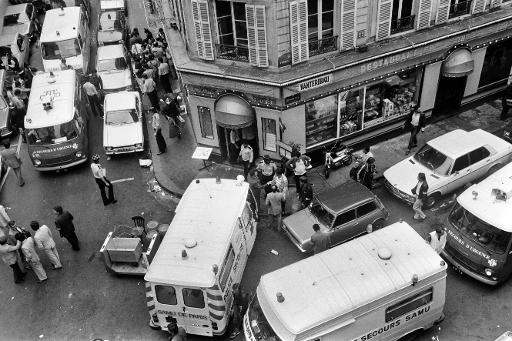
pixel 233 112
pixel 458 64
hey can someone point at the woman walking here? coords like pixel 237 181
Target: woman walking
pixel 160 141
pixel 420 192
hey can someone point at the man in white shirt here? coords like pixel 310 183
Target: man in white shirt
pixel 31 256
pixel 247 156
pixel 163 75
pixel 94 98
pixel 149 88
pixel 44 241
pixel 100 176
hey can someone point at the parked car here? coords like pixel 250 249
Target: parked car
pixel 6 111
pixel 113 67
pixel 122 125
pixel 449 161
pixel 19 18
pixel 113 27
pixel 16 43
pixel 85 4
pixel 344 212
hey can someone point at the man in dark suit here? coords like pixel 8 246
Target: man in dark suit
pixel 64 223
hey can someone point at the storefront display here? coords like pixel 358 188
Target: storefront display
pixel 321 119
pixel 351 111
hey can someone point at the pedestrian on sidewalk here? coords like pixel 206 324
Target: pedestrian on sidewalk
pixel 44 240
pixel 65 226
pixel 100 176
pixel 149 35
pixel 366 173
pixel 161 35
pixel 275 209
pixel 420 193
pixel 437 239
pixel 281 182
pixel 9 255
pixel 171 112
pixel 163 75
pixel 266 170
pixel 365 155
pixel 320 240
pixel 157 129
pixel 94 98
pixel 246 156
pixel 299 164
pixel 149 88
pixel 11 159
pixel 506 102
pixel 29 251
pixel 414 123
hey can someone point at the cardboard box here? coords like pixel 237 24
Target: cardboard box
pixel 125 250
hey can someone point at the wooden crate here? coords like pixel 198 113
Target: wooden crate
pixel 124 249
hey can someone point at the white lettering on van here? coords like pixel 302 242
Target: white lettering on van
pixel 469 247
pixel 49 93
pixel 181 314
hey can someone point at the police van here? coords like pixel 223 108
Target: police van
pixel 55 128
pixel 201 257
pixel 480 229
pixel 381 286
pixel 65 34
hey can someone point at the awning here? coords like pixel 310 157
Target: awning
pixel 458 64
pixel 233 112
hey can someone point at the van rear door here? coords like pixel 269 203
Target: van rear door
pixel 195 311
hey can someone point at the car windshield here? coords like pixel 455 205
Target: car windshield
pixel 319 211
pixel 259 324
pixel 61 49
pixel 488 236
pixel 109 21
pixel 121 117
pixel 433 159
pixel 112 64
pixel 53 134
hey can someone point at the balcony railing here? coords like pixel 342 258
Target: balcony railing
pixel 237 53
pixel 321 46
pixel 459 9
pixel 402 24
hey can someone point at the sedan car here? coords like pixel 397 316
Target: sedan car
pixel 449 162
pixel 112 27
pixel 114 68
pixel 122 126
pixel 344 212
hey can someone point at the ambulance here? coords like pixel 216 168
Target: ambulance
pixel 201 257
pixel 381 286
pixel 479 238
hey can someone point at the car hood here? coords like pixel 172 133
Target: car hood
pixel 115 79
pixel 300 225
pixel 122 135
pixel 404 175
pixel 109 36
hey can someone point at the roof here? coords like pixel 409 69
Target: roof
pixel 62 91
pixel 15 9
pixel 8 39
pixel 344 195
pixel 336 281
pixel 120 100
pixel 111 4
pixel 495 212
pixel 62 21
pixel 206 213
pixel 110 51
pixel 457 143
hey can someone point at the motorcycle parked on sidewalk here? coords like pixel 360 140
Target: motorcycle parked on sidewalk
pixel 339 155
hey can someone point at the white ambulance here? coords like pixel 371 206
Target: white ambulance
pixel 201 257
pixel 381 286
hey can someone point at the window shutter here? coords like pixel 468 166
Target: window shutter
pixel 496 3
pixel 478 6
pixel 348 24
pixel 424 11
pixel 256 34
pixel 443 10
pixel 384 19
pixel 299 31
pixel 202 29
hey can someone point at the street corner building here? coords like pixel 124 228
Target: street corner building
pixel 279 73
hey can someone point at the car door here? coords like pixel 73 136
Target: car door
pixel 480 161
pixel 344 227
pixel 366 214
pixel 460 173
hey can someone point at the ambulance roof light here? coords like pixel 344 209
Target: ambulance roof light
pixel 280 297
pixel 414 279
pixel 184 254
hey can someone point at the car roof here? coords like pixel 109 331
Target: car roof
pixel 455 143
pixel 7 39
pixel 344 196
pixel 122 100
pixel 111 4
pixel 15 9
pixel 110 51
pixel 62 21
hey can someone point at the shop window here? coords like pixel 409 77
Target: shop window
pixel 351 111
pixel 269 130
pixel 497 63
pixel 321 117
pixel 459 8
pixel 409 304
pixel 321 37
pixel 165 294
pixel 205 122
pixel 193 298
pixel 232 30
pixel 402 18
pixel 226 268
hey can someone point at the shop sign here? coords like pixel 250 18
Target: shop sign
pixel 292 99
pixel 314 83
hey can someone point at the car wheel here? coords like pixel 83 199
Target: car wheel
pixel 431 200
pixel 378 224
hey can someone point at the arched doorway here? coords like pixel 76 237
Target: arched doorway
pixel 236 122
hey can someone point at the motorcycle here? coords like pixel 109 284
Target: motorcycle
pixel 339 155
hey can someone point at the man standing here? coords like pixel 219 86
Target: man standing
pixel 320 240
pixel 19 111
pixel 306 191
pixel 31 256
pixel 94 98
pixel 414 122
pixel 299 164
pixel 274 203
pixel 11 159
pixel 171 112
pixel 65 226
pixel 240 304
pixel 420 192
pixel 149 88
pixel 44 241
pixel 9 254
pixel 97 82
pixel 266 170
pixel 163 75
pixel 246 155
pixel 63 66
pixel 100 175
pixel 366 173
pixel 437 239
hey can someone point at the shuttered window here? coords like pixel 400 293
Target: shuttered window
pixel 424 12
pixel 384 19
pixel 496 3
pixel 299 31
pixel 443 9
pixel 256 34
pixel 202 29
pixel 478 6
pixel 348 24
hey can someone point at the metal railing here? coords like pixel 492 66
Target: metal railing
pixel 237 53
pixel 325 45
pixel 402 24
pixel 459 9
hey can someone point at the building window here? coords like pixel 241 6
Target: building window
pixel 497 63
pixel 321 27
pixel 193 298
pixel 269 130
pixel 459 8
pixel 321 116
pixel 232 27
pixel 402 18
pixel 205 122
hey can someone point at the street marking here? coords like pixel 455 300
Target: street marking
pixel 122 180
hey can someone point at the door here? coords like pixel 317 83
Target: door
pixel 480 162
pixel 344 227
pixel 366 214
pixel 460 173
pixel 167 304
pixel 248 226
pixel 450 92
pixel 195 311
pixel 223 143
